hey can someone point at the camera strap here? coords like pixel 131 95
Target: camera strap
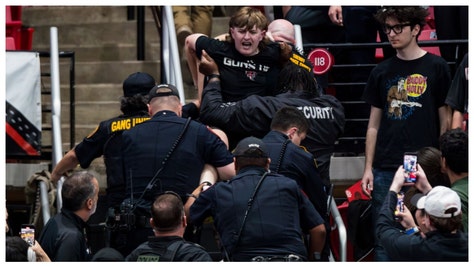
pixel 155 178
pixel 249 206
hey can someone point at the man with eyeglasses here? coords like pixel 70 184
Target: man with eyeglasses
pixel 406 94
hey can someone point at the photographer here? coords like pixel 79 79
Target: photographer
pixel 439 217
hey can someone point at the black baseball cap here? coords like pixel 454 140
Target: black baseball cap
pixel 251 147
pixel 157 91
pixel 138 83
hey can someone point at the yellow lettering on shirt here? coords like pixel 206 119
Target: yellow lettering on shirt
pixel 121 125
pixel 126 124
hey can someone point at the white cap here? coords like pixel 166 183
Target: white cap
pixel 439 201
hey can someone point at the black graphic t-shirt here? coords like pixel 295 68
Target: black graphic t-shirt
pixel 242 76
pixel 409 94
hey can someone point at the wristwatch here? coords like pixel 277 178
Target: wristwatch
pixel 412 230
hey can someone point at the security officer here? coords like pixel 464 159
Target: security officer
pixel 106 138
pixel 166 153
pixel 252 116
pixel 260 215
pixel 289 128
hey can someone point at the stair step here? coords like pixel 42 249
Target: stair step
pixel 93 72
pixel 95 34
pixel 107 52
pixel 63 15
pixel 104 42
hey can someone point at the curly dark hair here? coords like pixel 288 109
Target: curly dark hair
pixel 133 104
pixel 454 148
pixel 412 14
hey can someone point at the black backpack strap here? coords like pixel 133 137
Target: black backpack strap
pixel 172 249
pixel 160 254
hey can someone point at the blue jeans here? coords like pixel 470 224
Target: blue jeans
pixel 382 181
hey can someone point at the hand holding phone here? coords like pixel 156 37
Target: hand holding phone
pixel 409 164
pixel 400 203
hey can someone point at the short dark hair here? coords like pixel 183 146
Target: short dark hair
pixel 287 117
pixel 447 225
pixel 167 211
pixel 454 148
pixel 77 189
pixel 242 162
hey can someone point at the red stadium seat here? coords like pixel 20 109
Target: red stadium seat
pixel 22 36
pixel 10 43
pixel 429 35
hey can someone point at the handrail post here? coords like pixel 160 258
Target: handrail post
pixel 170 55
pixel 341 228
pixel 298 36
pixel 55 110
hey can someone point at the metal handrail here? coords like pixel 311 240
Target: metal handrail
pixel 169 53
pixel 384 44
pixel 55 112
pixel 341 228
pixel 56 121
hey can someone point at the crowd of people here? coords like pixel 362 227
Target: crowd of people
pixel 256 158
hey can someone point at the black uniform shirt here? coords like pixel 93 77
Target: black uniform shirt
pixel 146 145
pixel 63 238
pixel 279 214
pixel 297 164
pixel 252 116
pixel 106 140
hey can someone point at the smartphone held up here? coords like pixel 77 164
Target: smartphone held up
pixel 27 233
pixel 409 165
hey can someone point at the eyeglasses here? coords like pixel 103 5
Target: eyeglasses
pixel 397 28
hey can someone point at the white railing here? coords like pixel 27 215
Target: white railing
pixel 170 53
pixel 341 229
pixel 55 123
